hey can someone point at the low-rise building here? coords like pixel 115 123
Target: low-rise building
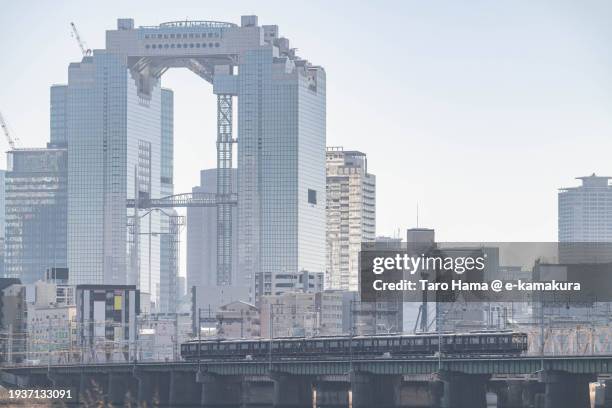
pixel 237 320
pixel 302 314
pixel 107 321
pixel 160 336
pixel 52 334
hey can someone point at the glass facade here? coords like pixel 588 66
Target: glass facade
pixel 584 211
pixel 58 104
pixel 115 153
pixel 170 221
pixel 281 158
pixel 35 212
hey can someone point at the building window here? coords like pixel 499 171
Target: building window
pixel 312 196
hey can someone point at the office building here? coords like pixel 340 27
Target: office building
pixel 289 314
pixel 107 322
pixel 35 212
pixel 13 321
pixel 58 115
pixel 118 142
pixel 585 212
pixel 114 104
pixel 302 314
pixel 2 223
pixel 238 320
pixel 161 334
pixel 202 249
pixel 52 334
pixel 585 221
pixel 170 221
pixel 351 215
pixel 329 305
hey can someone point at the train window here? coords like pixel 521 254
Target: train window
pixel 418 342
pixel 232 347
pixel 244 346
pixel 383 342
pixel 275 346
pixel 333 344
pixel 491 340
pixel 474 340
pixel 433 341
pixel 396 342
pixel 287 345
pixel 448 340
pixel 367 343
pixel 319 344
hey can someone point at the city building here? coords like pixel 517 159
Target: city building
pixel 302 314
pixel 202 249
pixel 2 223
pixel 35 212
pixel 289 314
pixel 13 321
pixel 170 222
pixel 351 215
pixel 107 324
pixel 58 115
pixel 585 211
pixel 329 305
pixel 113 104
pixel 585 221
pixel 238 320
pixel 52 333
pixel 118 143
pixel 161 334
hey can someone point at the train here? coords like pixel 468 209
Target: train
pixel 487 343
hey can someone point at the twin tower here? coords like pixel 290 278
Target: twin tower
pixel 120 149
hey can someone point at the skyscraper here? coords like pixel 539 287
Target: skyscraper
pixel 202 249
pixel 35 212
pixel 58 115
pixel 113 132
pixel 351 215
pixel 170 221
pixel 115 150
pixel 585 212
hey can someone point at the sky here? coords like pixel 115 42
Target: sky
pixel 475 111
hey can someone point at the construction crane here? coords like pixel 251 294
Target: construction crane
pixel 84 50
pixel 13 142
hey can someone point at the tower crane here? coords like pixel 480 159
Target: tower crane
pixel 84 50
pixel 13 142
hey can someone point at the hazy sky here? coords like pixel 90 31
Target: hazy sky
pixel 477 110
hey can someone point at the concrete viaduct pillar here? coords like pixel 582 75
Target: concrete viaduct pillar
pixel 220 390
pixel 153 387
pixel 566 390
pixel 93 388
pixel 122 389
pixel 184 389
pixel 332 393
pixel 464 390
pixel 292 391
